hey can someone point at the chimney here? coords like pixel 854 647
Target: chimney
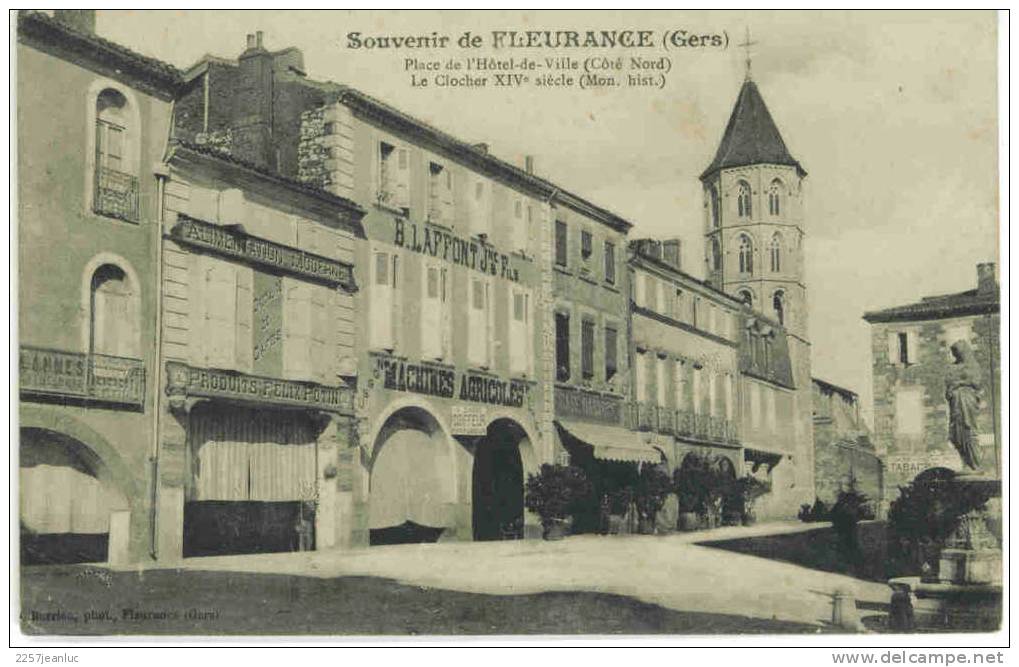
pixel 82 20
pixel 529 164
pixel 253 104
pixel 483 147
pixel 987 281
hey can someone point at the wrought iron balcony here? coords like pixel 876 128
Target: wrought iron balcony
pixel 93 377
pixel 116 194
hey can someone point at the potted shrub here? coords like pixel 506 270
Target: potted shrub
pixel 553 494
pixel 747 490
pixel 653 486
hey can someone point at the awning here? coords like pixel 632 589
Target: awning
pixel 761 457
pixel 611 443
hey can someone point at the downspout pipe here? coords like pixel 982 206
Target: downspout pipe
pixel 162 173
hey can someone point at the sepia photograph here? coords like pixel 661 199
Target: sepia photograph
pixel 509 323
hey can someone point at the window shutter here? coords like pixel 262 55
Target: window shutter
pixel 477 346
pixel 431 313
pixel 677 384
pixel 381 303
pixel 446 185
pixel 893 347
pixel 221 315
pixel 322 358
pixel 640 376
pixel 402 178
pixel 297 325
pixel 728 397
pixel 912 347
pixel 696 393
pixel 611 353
pixel 660 381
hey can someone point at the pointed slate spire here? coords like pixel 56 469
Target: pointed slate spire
pixel 751 136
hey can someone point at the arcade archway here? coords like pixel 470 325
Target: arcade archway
pixel 412 487
pixel 65 500
pixel 497 499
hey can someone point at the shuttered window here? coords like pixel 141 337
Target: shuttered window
pixel 661 382
pixel 220 298
pixel 480 207
pixel 610 262
pixel 587 349
pixel 382 304
pixel 298 323
pixel 520 333
pixel 521 225
pixel 696 391
pixel 561 241
pixel 611 353
pixel 434 309
pixel 640 375
pixel 480 330
pixel 562 346
pixel 678 384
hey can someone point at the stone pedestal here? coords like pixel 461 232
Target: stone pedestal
pixel 966 593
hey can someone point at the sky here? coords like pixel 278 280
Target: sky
pixel 892 114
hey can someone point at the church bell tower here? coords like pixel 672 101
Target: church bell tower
pixel 754 241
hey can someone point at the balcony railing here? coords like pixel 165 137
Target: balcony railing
pixel 645 416
pixel 116 195
pixel 94 377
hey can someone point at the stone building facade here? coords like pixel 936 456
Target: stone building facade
pixel 93 117
pixel 685 349
pixel 910 347
pixel 325 323
pixel 844 455
pixel 256 420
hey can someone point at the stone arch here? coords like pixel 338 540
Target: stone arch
pixel 111 468
pixel 133 148
pixel 85 305
pixel 502 459
pixel 412 476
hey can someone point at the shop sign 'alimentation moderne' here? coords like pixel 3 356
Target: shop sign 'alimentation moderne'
pixel 236 243
pixel 442 382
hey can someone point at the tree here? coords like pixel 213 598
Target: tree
pixel 653 486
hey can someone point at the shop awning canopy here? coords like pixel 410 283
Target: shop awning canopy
pixel 761 457
pixel 612 443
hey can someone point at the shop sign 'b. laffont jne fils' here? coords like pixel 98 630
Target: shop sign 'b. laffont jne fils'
pixel 484 312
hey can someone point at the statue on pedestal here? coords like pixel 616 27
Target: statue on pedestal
pixel 962 391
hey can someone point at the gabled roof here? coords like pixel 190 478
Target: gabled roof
pixel 751 137
pixel 970 302
pixel 45 27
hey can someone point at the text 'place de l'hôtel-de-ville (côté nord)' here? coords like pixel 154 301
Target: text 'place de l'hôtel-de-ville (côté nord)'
pixel 294 317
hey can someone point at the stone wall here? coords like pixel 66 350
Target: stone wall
pixel 908 449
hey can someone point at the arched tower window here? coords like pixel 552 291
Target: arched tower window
pixel 778 305
pixel 116 181
pixel 743 199
pixel 113 323
pixel 746 296
pixel 775 197
pixel 775 252
pixel 746 254
pixel 716 254
pixel 715 213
